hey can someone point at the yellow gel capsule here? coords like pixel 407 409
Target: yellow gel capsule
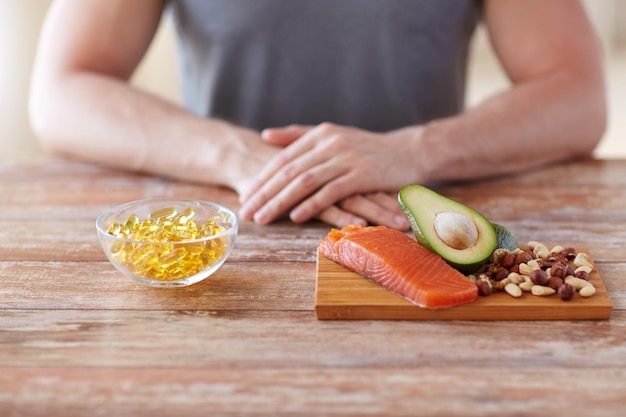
pixel 186 215
pixel 173 256
pixel 162 261
pixel 115 229
pixel 164 213
pixel 131 222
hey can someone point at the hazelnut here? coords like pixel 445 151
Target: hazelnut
pixel 555 282
pixel 508 260
pixel 569 253
pixel 558 270
pixel 566 292
pixel 582 275
pixel 539 277
pixel 500 274
pixel 524 257
pixel 484 288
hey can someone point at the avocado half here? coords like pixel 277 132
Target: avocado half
pixel 457 233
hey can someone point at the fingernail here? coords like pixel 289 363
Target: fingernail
pixel 401 221
pixel 266 133
pixel 244 213
pixel 244 198
pixel 296 215
pixel 260 216
pixel 359 221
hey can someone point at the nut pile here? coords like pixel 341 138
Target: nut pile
pixel 537 270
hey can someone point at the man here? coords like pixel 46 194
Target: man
pixel 320 109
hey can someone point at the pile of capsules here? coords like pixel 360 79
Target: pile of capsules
pixel 167 245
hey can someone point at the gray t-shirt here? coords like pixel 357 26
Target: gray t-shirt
pixel 375 64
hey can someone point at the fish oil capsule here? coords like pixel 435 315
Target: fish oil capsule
pixel 171 257
pixel 185 216
pixel 150 255
pixel 164 213
pixel 131 221
pixel 115 229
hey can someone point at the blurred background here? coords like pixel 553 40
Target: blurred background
pixel 20 22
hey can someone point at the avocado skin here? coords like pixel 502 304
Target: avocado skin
pixel 506 239
pixel 463 267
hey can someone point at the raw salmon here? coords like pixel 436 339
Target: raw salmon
pixel 397 262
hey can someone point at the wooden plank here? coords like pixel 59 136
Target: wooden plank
pixel 249 339
pixel 344 295
pixel 333 391
pixel 98 285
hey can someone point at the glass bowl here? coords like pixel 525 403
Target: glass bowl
pixel 166 242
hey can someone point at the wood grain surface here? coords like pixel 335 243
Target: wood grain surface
pixel 79 339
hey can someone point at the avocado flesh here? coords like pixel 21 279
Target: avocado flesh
pixel 421 206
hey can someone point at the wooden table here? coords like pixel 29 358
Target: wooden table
pixel 79 339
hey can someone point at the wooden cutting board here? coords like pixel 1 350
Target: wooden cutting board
pixel 344 295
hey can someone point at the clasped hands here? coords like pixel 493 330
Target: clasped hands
pixel 339 175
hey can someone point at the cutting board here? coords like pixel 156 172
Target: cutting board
pixel 344 295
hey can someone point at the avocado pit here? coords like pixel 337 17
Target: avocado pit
pixel 455 230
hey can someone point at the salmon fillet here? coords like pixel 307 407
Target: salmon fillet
pixel 392 259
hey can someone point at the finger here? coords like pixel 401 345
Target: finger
pixel 288 169
pixel 387 200
pixel 280 192
pixel 286 156
pixel 339 218
pixel 255 188
pixel 283 136
pixel 287 195
pixel 371 210
pixel 342 185
pixel 259 191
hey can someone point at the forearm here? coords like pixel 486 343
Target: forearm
pixel 103 120
pixel 538 122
